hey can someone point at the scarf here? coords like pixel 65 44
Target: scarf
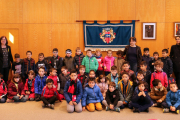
pixel 73 87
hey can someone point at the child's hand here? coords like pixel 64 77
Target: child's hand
pixel 143 94
pixel 20 96
pixel 71 103
pixel 76 66
pixel 105 67
pixel 172 108
pixel 101 65
pixel 111 106
pixel 170 75
pixel 159 101
pixel 152 63
pixel 140 93
pixel 83 108
pixel 74 103
pixel 0 97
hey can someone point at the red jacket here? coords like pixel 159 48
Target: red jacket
pixel 161 76
pixel 100 62
pixel 26 86
pixel 48 93
pixel 56 81
pixel 12 91
pixel 3 89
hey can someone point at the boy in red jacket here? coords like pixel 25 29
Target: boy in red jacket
pixel 159 74
pixel 3 90
pixel 49 94
pixel 29 86
pixel 100 62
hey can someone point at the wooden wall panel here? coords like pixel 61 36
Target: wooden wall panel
pixel 11 11
pixel 37 11
pixel 121 9
pixel 65 11
pixel 150 10
pixel 65 36
pixel 37 38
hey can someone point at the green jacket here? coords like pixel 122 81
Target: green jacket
pixel 91 64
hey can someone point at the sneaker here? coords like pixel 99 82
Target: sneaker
pixel 107 108
pixel 52 106
pixel 177 111
pixel 154 105
pixel 117 109
pixel 147 110
pixel 165 110
pixel 135 110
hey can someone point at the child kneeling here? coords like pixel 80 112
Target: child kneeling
pixel 141 100
pixel 73 93
pixel 112 100
pixel 92 96
pixel 49 94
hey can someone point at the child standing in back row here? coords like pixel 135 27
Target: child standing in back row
pixel 100 62
pixel 108 62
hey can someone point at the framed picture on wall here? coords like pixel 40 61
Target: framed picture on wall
pixel 177 29
pixel 149 31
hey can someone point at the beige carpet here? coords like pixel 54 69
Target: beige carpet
pixel 32 110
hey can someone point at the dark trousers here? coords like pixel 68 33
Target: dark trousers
pixel 177 75
pixel 141 107
pixel 37 97
pixel 127 105
pixel 165 105
pixel 47 101
pixel 133 67
pixel 98 73
pixel 106 73
pixel 158 104
pixel 5 73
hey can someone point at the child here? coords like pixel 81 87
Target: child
pixel 28 64
pixel 17 66
pixel 146 57
pixel 73 93
pixel 63 78
pixel 168 65
pixel 3 90
pixel 158 93
pixel 92 74
pixel 54 77
pixel 90 62
pixel 41 63
pixel 159 74
pixel 113 76
pixel 108 62
pixel 29 86
pixel 16 90
pixel 100 62
pixel 140 77
pixel 146 72
pixel 56 61
pixel 49 94
pixel 125 87
pixel 112 100
pixel 126 68
pixel 40 82
pixel 92 96
pixel 172 99
pixel 69 61
pixel 82 75
pixel 102 84
pixel 141 100
pixel 78 58
pixel 118 62
pixel 155 58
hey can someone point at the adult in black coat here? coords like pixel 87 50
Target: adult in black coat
pixel 175 57
pixel 6 58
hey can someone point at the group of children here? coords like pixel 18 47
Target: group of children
pixel 81 82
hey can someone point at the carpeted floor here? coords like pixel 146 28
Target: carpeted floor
pixel 32 110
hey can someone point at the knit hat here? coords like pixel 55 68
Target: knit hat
pixel 68 51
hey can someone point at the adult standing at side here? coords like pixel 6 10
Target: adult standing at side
pixel 5 58
pixel 175 57
pixel 133 54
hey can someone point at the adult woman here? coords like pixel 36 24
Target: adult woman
pixel 5 58
pixel 175 57
pixel 133 54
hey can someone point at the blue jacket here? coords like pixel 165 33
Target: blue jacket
pixel 92 95
pixel 173 99
pixel 79 92
pixel 39 84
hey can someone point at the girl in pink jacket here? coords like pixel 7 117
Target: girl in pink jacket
pixel 108 62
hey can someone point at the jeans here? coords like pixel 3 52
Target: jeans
pixel 16 99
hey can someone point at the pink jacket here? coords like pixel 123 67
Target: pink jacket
pixel 161 76
pixel 108 62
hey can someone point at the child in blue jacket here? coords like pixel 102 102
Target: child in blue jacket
pixel 40 82
pixel 92 96
pixel 73 93
pixel 172 99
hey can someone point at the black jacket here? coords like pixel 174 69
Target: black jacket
pixel 10 58
pixel 41 64
pixel 78 59
pixel 59 63
pixel 148 60
pixel 139 54
pixel 168 65
pixel 69 63
pixel 175 57
pixel 112 97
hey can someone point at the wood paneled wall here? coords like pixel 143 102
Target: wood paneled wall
pixel 45 24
